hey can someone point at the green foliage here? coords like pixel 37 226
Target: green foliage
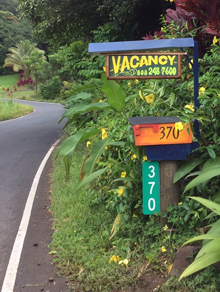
pixel 69 21
pixel 24 56
pixel 74 62
pixel 12 29
pixel 210 252
pixel 51 88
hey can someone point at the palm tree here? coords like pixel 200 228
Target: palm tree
pixel 19 57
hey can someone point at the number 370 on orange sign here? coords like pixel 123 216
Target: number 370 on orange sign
pixel 161 134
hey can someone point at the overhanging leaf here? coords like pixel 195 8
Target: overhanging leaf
pixel 115 94
pixel 209 204
pixel 208 255
pixel 204 176
pixel 202 237
pixel 84 108
pixel 116 225
pixel 68 145
pixel 96 152
pixel 90 178
pixel 186 168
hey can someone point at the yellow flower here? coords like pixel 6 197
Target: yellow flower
pixel 162 29
pixel 179 126
pixel 129 84
pixel 188 76
pixel 114 258
pixel 106 147
pixel 163 249
pixel 104 69
pixel 144 158
pixel 104 134
pixel 190 65
pixel 201 90
pixel 170 268
pixel 136 81
pixel 149 98
pixel 120 192
pixel 123 174
pixel 165 227
pixel 180 203
pixel 215 40
pixel 100 100
pixel 190 106
pixel 98 160
pixel 134 156
pixel 134 215
pixel 124 262
pixel 140 94
pixel 87 144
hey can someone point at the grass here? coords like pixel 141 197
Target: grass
pixel 9 81
pixel 81 236
pixel 10 110
pixel 82 249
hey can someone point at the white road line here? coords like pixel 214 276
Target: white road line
pixel 11 272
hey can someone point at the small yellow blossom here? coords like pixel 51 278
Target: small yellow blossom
pixel 188 76
pixel 180 218
pixel 190 65
pixel 149 98
pixel 98 160
pixel 140 94
pixel 129 153
pixel 215 40
pixel 170 268
pixel 106 147
pixel 134 156
pixel 179 126
pixel 124 262
pixel 162 29
pixel 134 215
pixel 165 227
pixel 201 90
pixel 120 192
pixel 123 174
pixel 104 69
pixel 163 249
pixel 114 258
pixel 180 203
pixel 144 158
pixel 190 107
pixel 87 144
pixel 100 100
pixel 104 134
pixel 129 84
pixel 136 81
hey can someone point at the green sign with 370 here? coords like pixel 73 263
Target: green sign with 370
pixel 143 66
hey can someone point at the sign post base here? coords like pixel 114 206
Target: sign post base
pixel 169 192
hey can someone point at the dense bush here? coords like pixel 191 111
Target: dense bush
pixel 51 88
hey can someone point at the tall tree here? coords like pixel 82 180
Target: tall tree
pixel 20 57
pixel 66 21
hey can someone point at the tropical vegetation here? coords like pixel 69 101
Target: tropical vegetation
pixel 99 230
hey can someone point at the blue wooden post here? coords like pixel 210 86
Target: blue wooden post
pixel 196 87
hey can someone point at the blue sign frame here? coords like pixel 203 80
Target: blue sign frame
pixel 146 45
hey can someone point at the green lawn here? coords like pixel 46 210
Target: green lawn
pixel 8 81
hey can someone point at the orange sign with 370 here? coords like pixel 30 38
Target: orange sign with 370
pixel 161 134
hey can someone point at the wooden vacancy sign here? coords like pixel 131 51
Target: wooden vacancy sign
pixel 143 65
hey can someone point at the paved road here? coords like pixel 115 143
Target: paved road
pixel 23 144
